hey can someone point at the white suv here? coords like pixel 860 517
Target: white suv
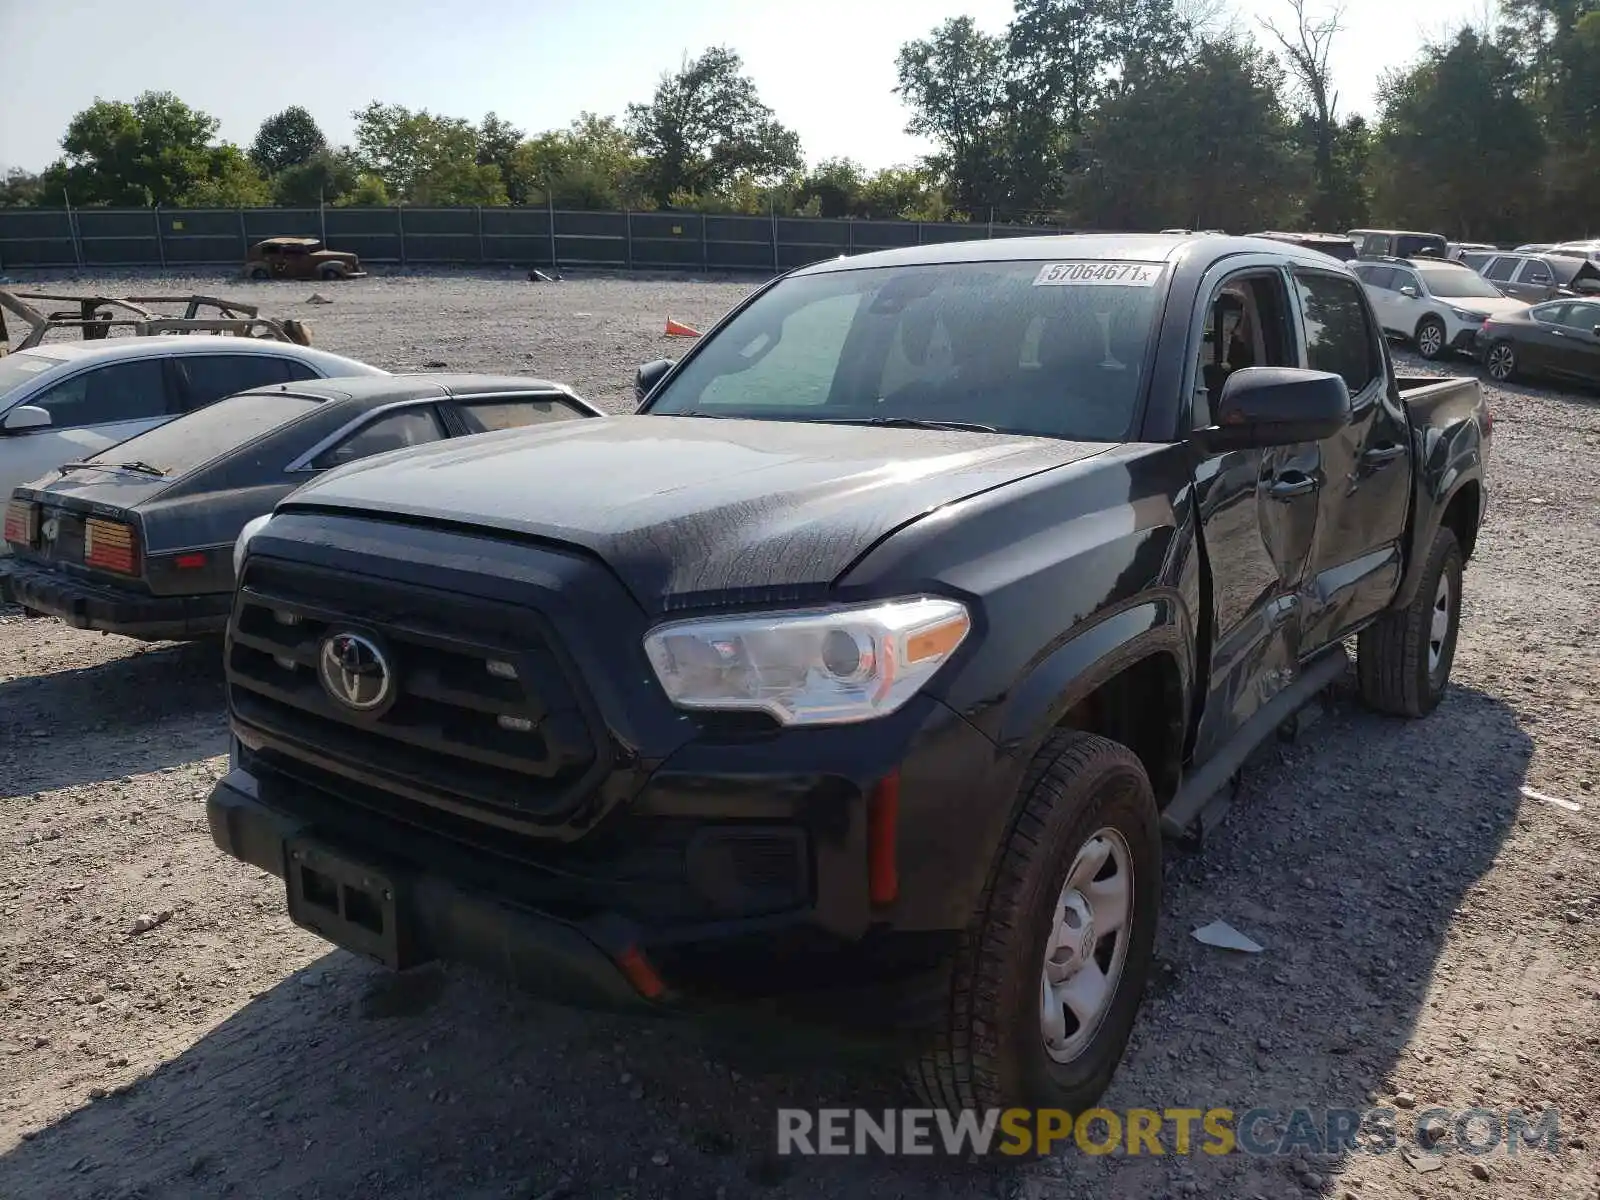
pixel 1436 304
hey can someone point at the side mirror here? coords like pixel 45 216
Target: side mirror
pixel 1408 290
pixel 1276 406
pixel 646 378
pixel 26 416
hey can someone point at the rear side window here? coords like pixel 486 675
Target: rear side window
pixel 207 378
pixel 1378 277
pixel 513 412
pixel 1413 244
pixel 393 431
pixel 177 447
pixel 125 391
pixel 1501 269
pixel 1550 314
pixel 1338 338
pixel 1581 316
pixel 1534 271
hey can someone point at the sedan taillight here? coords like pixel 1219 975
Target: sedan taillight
pixel 110 546
pixel 22 522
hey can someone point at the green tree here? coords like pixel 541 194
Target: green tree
pixel 836 186
pixel 706 127
pixel 324 178
pixel 1205 145
pixel 153 151
pixel 497 145
pixel 424 158
pixel 21 189
pixel 369 192
pixel 287 139
pixel 592 164
pixel 1458 148
pixel 954 82
pixel 230 181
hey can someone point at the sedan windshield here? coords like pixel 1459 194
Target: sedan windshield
pixel 1054 349
pixel 1456 283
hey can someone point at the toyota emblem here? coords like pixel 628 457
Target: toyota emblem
pixel 354 672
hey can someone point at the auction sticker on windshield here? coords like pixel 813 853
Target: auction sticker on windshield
pixel 1092 273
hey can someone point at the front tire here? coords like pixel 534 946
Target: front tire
pixel 1403 659
pixel 1501 362
pixel 1432 340
pixel 260 273
pixel 1049 976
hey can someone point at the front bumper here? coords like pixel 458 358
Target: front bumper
pixel 110 609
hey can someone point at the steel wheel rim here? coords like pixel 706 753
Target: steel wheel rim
pixel 1430 341
pixel 1500 359
pixel 1439 625
pixel 1087 946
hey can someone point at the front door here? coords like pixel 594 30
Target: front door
pixel 1257 511
pixel 1576 348
pixel 1365 497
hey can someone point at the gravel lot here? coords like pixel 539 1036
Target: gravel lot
pixel 1428 928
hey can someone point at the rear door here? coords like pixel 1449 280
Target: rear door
pixel 1576 351
pixel 1365 488
pixel 1379 285
pixel 1533 281
pixel 1539 343
pixel 89 411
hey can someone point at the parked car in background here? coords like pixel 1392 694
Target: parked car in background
pixel 1558 340
pixel 1455 250
pixel 1398 243
pixel 1437 305
pixel 137 540
pixel 1534 278
pixel 64 402
pixel 300 258
pixel 1585 248
pixel 1335 245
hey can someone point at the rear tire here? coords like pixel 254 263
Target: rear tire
pixel 1016 1029
pixel 1403 660
pixel 260 273
pixel 1432 340
pixel 1501 362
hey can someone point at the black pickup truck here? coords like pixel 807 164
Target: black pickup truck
pixel 872 656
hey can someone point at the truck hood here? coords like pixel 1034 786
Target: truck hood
pixel 688 509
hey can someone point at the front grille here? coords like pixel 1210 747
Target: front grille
pixel 485 719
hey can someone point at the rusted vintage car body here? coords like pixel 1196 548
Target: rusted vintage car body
pixel 300 258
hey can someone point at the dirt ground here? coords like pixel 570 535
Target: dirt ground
pixel 1429 929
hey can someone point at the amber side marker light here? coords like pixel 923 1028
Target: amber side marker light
pixel 641 974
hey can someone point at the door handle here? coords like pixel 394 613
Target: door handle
pixel 1291 484
pixel 1379 455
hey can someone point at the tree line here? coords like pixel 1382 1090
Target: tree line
pixel 1114 114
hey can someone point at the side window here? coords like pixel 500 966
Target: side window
pixel 209 377
pixel 1534 270
pixel 785 368
pixel 1338 337
pixel 1380 277
pixel 393 431
pixel 1246 325
pixel 514 412
pixel 1404 279
pixel 1550 314
pixel 295 369
pixel 125 391
pixel 1585 317
pixel 1379 244
pixel 1501 269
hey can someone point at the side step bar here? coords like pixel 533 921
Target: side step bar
pixel 1204 797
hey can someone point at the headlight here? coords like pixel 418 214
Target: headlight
pixel 1463 314
pixel 251 528
pixel 823 667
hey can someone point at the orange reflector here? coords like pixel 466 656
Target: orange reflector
pixel 883 827
pixel 189 562
pixel 937 641
pixel 110 546
pixel 640 973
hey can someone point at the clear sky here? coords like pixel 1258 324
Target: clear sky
pixel 825 66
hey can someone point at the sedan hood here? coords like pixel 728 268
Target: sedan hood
pixel 686 509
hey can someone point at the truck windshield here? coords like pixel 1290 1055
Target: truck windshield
pixel 1046 348
pixel 1456 283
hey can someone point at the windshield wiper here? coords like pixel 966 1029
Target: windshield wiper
pixel 142 468
pixel 914 423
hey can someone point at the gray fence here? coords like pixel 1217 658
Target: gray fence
pixel 109 237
